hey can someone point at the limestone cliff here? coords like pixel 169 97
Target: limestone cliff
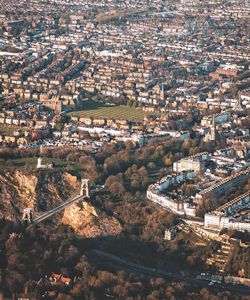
pixel 38 190
pixel 42 191
pixel 89 222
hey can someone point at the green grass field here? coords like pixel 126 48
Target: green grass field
pixel 30 162
pixel 5 129
pixel 99 110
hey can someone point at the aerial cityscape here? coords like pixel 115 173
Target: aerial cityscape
pixel 125 149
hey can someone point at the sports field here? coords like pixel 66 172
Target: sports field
pixel 99 110
pixel 8 129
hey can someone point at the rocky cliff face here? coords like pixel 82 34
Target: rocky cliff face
pixel 89 222
pixel 38 190
pixel 42 191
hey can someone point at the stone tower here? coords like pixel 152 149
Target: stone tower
pixel 85 188
pixel 212 133
pixel 27 215
pixel 39 163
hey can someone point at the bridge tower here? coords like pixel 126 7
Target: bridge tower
pixel 27 215
pixel 85 188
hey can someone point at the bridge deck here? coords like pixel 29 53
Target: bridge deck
pixel 58 208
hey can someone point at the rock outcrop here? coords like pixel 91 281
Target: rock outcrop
pixel 38 190
pixel 42 191
pixel 89 221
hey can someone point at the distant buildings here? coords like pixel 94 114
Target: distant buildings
pixel 189 168
pixel 222 186
pixel 233 215
pixel 59 278
pixel 219 118
pixel 195 163
pixel 212 133
pixel 175 59
pixel 156 192
pixel 170 234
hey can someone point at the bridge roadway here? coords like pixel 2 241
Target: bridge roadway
pixel 62 206
pixel 58 208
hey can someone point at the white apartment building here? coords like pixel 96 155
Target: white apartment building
pixel 155 193
pixel 218 221
pixel 195 163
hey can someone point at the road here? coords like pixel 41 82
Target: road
pixel 190 279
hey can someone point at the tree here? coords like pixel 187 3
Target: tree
pixel 83 267
pixel 15 282
pixel 62 296
pixel 168 160
pixel 117 189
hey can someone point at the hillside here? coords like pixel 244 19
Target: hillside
pixel 43 191
pixel 38 190
pixel 89 222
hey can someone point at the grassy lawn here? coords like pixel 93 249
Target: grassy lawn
pixel 99 110
pixel 8 130
pixel 30 162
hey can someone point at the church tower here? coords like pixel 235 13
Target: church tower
pixel 238 107
pixel 212 133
